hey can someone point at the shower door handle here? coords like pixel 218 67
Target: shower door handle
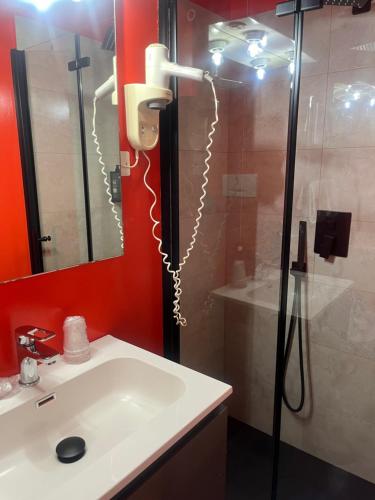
pixel 44 239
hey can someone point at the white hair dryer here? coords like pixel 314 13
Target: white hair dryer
pixel 109 86
pixel 144 101
pixel 159 69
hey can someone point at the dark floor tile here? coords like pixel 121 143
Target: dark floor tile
pixel 301 476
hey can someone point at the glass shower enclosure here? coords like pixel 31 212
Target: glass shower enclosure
pixel 279 292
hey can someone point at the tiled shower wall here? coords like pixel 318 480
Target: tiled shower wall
pixel 57 146
pixel 335 171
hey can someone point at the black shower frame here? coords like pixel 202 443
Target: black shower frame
pixel 170 199
pixel 21 98
pixel 169 179
pixel 77 65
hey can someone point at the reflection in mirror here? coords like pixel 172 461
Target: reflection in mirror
pixel 64 182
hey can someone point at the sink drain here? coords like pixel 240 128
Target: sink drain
pixel 71 449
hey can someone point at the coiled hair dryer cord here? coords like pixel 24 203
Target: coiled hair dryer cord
pixel 105 175
pixel 176 273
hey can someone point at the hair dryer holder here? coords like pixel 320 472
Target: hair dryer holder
pixel 143 104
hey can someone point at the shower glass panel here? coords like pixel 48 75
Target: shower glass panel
pixel 105 228
pixel 327 448
pixel 231 282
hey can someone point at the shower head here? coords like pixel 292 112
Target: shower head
pixel 359 4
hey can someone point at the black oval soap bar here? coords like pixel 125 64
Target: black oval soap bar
pixel 71 449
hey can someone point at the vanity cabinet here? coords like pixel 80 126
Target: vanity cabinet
pixel 193 469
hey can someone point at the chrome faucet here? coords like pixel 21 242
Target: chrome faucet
pixel 33 340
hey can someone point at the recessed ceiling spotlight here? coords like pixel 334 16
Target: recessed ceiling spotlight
pixel 216 48
pixel 217 58
pixel 236 25
pixel 261 73
pixel 260 64
pixel 257 40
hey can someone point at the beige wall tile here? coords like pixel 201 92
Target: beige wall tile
pixel 68 246
pixel 31 32
pixel 338 380
pixel 250 339
pixel 351 40
pixel 346 324
pixel 239 113
pixel 353 126
pixel 191 168
pixel 48 69
pixel 359 266
pixel 316 40
pixel 266 128
pixel 195 116
pixel 307 183
pixel 55 123
pixel 207 260
pixel 348 182
pixel 252 399
pixel 312 111
pixel 59 182
pixel 269 167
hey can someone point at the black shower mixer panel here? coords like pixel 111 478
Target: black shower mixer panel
pixel 332 233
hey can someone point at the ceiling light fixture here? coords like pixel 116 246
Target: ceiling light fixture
pixel 216 48
pixel 257 40
pixel 41 5
pixel 260 64
pixel 261 73
pixel 217 58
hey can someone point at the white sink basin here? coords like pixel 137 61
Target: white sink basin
pixel 129 405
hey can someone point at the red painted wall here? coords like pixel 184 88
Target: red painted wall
pixel 121 296
pixel 14 247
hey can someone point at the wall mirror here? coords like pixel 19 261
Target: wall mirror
pixel 60 204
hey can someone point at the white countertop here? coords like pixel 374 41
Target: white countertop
pixel 318 292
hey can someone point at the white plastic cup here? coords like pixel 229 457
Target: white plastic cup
pixel 76 343
pixel 238 278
